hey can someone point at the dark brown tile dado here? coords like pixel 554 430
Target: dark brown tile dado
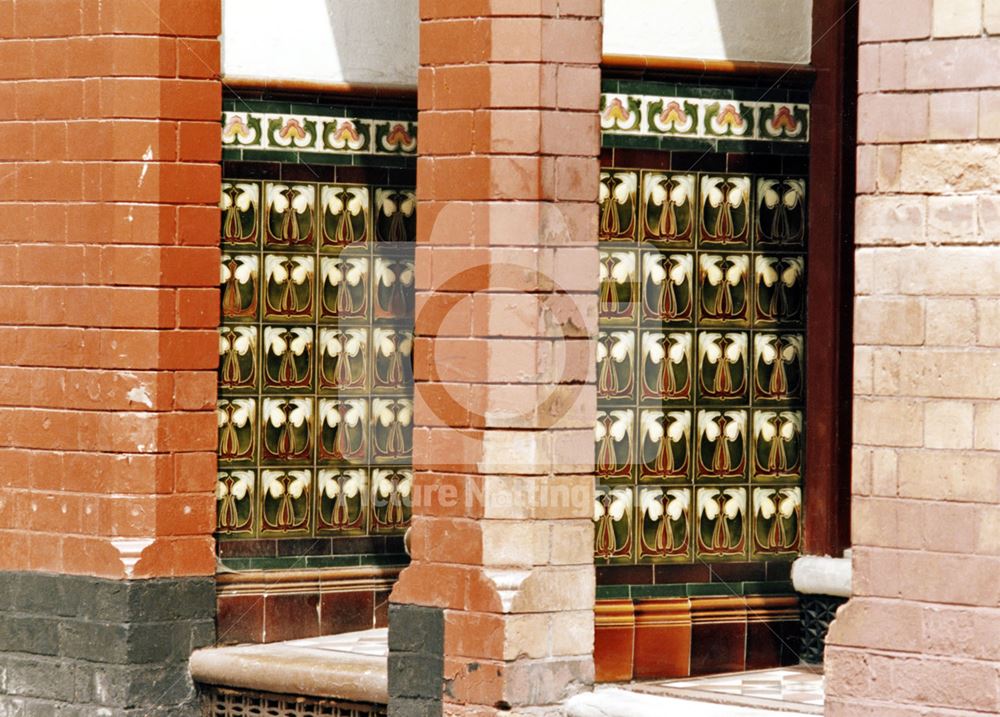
pixel 718 635
pixel 240 618
pixel 614 638
pixel 662 638
pixel 346 612
pixel 624 574
pixel 382 608
pixel 772 631
pixel 291 617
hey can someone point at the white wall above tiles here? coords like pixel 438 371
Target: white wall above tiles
pixel 360 41
pixel 375 41
pixel 753 30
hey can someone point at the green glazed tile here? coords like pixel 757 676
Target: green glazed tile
pixel 237 563
pixel 268 106
pixel 384 160
pixel 713 589
pixel 326 158
pixel 629 141
pixel 777 587
pixel 333 561
pixel 657 591
pixel 612 592
pixel 269 155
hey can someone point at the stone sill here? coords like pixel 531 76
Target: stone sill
pixel 351 667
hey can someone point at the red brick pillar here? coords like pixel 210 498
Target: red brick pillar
pixel 921 635
pixel 109 183
pixel 496 610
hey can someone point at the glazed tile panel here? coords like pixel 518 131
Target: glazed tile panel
pixel 315 359
pixel 686 117
pixel 699 436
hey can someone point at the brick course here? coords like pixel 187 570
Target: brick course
pixel 109 177
pixel 918 637
pixel 506 313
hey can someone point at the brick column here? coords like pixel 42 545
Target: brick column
pixel 496 611
pixel 922 633
pixel 109 183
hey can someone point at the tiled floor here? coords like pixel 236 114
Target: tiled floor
pixel 792 689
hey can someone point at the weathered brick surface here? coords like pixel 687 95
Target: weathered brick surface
pixel 506 316
pixel 77 645
pixel 109 183
pixel 919 637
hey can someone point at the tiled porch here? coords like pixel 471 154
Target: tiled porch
pixel 352 667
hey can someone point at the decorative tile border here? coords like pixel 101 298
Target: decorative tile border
pixel 315 133
pixel 648 118
pixel 703 118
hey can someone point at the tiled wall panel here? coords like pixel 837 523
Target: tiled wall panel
pixel 700 366
pixel 315 348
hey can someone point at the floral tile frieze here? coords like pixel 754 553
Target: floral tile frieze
pixel 703 118
pixel 314 133
pixel 637 115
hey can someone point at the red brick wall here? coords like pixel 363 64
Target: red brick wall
pixel 109 185
pixel 922 634
pixel 506 313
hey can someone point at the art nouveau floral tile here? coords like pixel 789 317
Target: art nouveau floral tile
pixel 240 208
pixel 289 215
pixel 729 118
pixel 344 359
pixel 288 359
pixel 778 444
pixel 289 287
pixel 777 520
pixel 342 501
pixel 345 281
pixel 239 281
pixel 667 366
pixel 664 525
pixel 618 205
pixel 725 211
pixel 285 501
pixel 724 289
pixel 619 292
pixel 392 359
pixel 721 441
pixel 616 364
pixel 665 445
pixel 622 113
pixel 395 215
pixel 390 499
pixel 395 137
pixel 343 430
pixel 779 290
pixel 781 213
pixel 615 445
pixel 393 277
pixel 667 287
pixel 392 430
pixel 722 516
pixel 237 418
pixel 778 367
pixel 235 492
pixel 668 209
pixel 614 534
pixel 723 366
pixel 238 358
pixel 345 212
pixel 287 433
